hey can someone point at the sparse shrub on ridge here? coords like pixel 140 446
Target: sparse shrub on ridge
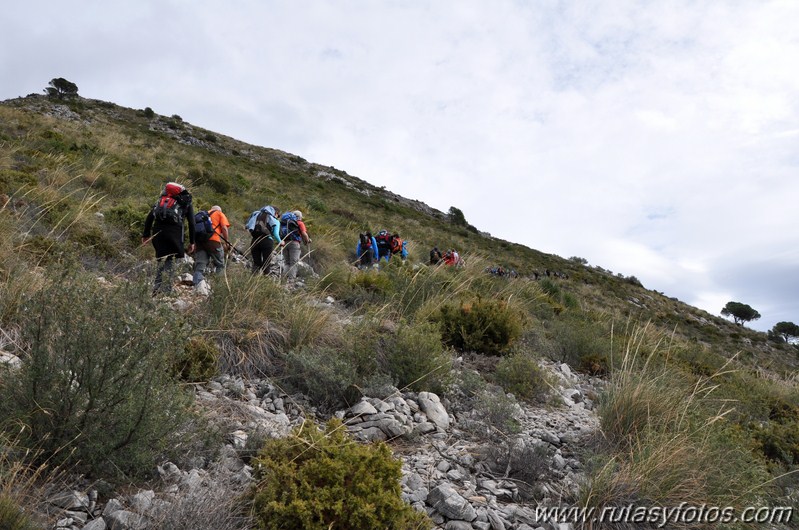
pixel 94 387
pixel 520 374
pixel 198 362
pixel 480 325
pixel 415 358
pixel 317 479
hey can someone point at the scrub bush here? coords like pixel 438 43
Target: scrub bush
pixel 321 480
pixel 94 387
pixel 483 326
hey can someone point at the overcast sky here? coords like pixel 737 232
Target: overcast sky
pixel 658 139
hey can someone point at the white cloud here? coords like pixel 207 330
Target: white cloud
pixel 654 139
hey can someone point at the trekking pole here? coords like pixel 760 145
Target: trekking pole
pixel 231 245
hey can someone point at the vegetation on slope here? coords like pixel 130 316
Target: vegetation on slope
pixel 77 178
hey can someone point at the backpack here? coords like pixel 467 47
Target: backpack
pixel 203 227
pixel 289 228
pixel 170 206
pixel 396 245
pixel 261 222
pixel 383 242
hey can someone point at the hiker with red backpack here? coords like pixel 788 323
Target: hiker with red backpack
pixel 292 232
pixel 211 228
pixel 164 228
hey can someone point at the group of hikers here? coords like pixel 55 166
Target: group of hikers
pixel 371 249
pixel 209 237
pixel 271 231
pixel 450 257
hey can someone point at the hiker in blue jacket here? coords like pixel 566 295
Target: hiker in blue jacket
pixel 366 250
pixel 264 228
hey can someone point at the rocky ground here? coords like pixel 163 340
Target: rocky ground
pixel 456 467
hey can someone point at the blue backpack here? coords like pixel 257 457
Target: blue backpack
pixel 289 228
pixel 203 227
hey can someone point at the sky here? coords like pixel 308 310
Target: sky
pixel 656 139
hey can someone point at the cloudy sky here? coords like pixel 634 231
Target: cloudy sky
pixel 658 139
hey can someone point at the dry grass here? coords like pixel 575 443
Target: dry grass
pixel 661 447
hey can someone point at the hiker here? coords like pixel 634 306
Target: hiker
pixel 264 228
pixel 398 246
pixel 164 227
pixel 292 231
pixel 213 249
pixel 383 239
pixel 367 245
pixel 435 256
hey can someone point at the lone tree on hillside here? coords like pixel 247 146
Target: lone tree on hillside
pixel 740 312
pixel 456 216
pixel 787 330
pixel 61 88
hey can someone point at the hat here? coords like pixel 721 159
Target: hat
pixel 215 208
pixel 297 214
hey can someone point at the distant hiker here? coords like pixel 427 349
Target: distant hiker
pixel 398 247
pixel 292 232
pixel 383 239
pixel 211 246
pixel 435 256
pixel 164 227
pixel 451 257
pixel 367 245
pixel 264 228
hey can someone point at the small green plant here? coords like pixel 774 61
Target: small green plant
pixel 12 517
pixel 521 375
pixel 199 360
pixel 317 479
pixel 415 358
pixel 484 326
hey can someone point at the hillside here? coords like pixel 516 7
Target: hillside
pixel 639 369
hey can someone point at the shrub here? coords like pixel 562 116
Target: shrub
pixel 322 374
pixel 128 218
pixel 198 361
pixel 12 517
pixel 581 342
pixel 93 377
pixel 415 358
pixel 321 480
pixel 149 113
pixel 520 375
pixel 485 326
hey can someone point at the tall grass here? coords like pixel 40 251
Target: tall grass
pixel 661 444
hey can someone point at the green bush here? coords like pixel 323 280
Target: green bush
pixel 94 387
pixel 322 374
pixel 11 179
pixel 484 326
pixel 581 342
pixel 198 362
pixel 521 375
pixel 128 218
pixel 12 517
pixel 414 358
pixel 322 480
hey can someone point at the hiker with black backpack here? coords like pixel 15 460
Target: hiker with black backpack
pixel 383 239
pixel 292 232
pixel 211 228
pixel 164 227
pixel 264 228
pixel 366 249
